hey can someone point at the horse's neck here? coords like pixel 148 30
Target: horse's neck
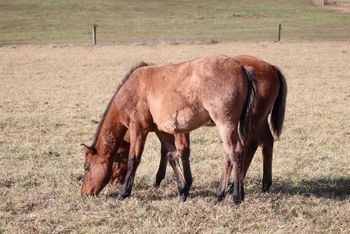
pixel 111 134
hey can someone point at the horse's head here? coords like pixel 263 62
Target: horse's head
pixel 101 170
pixel 97 171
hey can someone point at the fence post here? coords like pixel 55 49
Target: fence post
pixel 94 26
pixel 319 2
pixel 279 32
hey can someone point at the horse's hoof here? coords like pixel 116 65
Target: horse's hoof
pixel 216 202
pixel 157 181
pixel 266 186
pixel 122 196
pixel 218 199
pixel 265 189
pixel 183 198
pixel 237 202
pixel 156 184
pixel 237 199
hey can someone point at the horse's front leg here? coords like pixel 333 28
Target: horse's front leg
pixel 164 141
pixel 182 143
pixel 137 143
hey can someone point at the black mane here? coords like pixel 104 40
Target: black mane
pixel 125 78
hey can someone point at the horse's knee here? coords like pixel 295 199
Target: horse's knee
pixel 228 163
pixel 171 158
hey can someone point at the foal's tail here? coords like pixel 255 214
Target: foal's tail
pixel 278 109
pixel 245 120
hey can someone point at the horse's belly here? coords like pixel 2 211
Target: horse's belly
pixel 184 120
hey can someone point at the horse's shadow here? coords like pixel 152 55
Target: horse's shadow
pixel 146 191
pixel 330 188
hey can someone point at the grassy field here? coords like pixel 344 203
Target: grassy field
pixel 176 21
pixel 52 96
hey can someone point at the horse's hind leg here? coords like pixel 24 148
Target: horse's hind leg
pixel 233 162
pixel 250 146
pixel 266 141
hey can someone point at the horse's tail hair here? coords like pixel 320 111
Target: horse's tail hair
pixel 245 119
pixel 278 109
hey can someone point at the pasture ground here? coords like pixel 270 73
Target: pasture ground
pixel 52 97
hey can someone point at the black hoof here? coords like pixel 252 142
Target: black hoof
pixel 237 203
pixel 238 195
pixel 266 186
pixel 156 184
pixel 219 198
pixel 122 196
pixel 183 193
pixel 237 200
pixel 215 201
pixel 183 197
pixel 157 181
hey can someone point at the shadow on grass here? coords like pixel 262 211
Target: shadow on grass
pixel 150 193
pixel 331 188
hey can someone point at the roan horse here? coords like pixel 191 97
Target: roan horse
pixel 271 91
pixel 174 98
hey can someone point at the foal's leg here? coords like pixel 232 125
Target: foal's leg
pixel 173 156
pixel 137 143
pixel 162 165
pixel 250 146
pixel 182 143
pixel 233 162
pixel 266 141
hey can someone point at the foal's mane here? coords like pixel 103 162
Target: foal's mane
pixel 125 78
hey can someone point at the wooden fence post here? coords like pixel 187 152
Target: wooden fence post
pixel 94 26
pixel 319 2
pixel 279 32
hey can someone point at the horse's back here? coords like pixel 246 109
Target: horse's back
pixel 182 93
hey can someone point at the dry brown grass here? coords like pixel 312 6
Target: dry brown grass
pixel 51 98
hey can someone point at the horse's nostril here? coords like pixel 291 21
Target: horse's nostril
pixel 79 177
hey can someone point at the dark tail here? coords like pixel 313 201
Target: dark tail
pixel 245 120
pixel 278 109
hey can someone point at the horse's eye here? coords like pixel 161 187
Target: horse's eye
pixel 87 167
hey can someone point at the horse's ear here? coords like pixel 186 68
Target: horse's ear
pixel 85 146
pixel 89 148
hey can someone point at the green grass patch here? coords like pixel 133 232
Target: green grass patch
pixel 66 21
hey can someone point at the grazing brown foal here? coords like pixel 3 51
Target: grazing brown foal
pixel 271 94
pixel 174 98
pixel 271 91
